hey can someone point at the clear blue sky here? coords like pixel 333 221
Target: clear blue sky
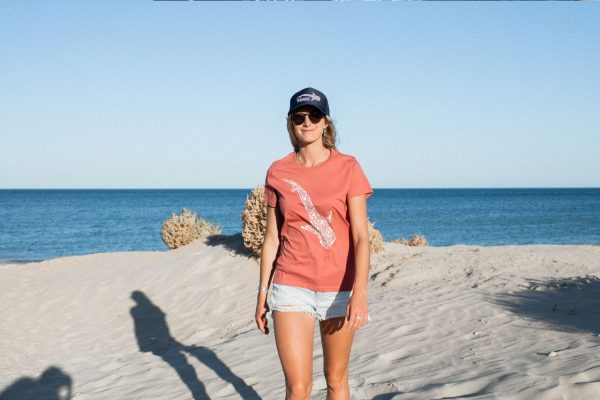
pixel 107 94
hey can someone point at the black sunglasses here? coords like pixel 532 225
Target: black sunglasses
pixel 314 116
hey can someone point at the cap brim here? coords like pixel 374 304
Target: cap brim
pixel 305 105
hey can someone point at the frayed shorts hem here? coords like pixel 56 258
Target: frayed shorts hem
pixel 308 312
pixel 320 305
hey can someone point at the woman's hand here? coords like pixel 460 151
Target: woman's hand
pixel 261 313
pixel 357 311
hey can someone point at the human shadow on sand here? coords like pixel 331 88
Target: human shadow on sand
pixel 53 384
pixel 153 336
pixel 566 304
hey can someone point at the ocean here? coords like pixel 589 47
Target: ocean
pixel 42 224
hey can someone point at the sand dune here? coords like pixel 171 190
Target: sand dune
pixel 518 322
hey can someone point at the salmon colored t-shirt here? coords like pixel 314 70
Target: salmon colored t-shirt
pixel 317 250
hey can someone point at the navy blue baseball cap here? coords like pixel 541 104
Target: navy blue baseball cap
pixel 309 97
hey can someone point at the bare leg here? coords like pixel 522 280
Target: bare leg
pixel 336 339
pixel 294 334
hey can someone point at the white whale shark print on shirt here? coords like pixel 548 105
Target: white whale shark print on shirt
pixel 319 225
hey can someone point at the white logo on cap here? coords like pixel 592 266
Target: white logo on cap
pixel 308 97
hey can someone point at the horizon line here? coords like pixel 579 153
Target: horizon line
pixel 374 188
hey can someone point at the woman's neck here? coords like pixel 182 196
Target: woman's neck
pixel 309 156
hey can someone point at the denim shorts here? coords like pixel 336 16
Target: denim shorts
pixel 321 305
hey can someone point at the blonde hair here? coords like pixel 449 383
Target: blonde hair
pixel 329 135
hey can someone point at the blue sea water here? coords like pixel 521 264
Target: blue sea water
pixel 43 224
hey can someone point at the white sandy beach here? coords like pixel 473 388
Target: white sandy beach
pixel 517 322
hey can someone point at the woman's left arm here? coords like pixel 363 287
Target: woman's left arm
pixel 357 310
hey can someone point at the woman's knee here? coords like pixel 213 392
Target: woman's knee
pixel 336 378
pixel 298 390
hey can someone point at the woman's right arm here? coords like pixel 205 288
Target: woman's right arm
pixel 267 261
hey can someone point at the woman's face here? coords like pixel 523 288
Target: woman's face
pixel 308 132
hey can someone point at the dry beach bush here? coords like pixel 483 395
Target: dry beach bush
pixel 254 224
pixel 183 229
pixel 254 221
pixel 375 239
pixel 416 240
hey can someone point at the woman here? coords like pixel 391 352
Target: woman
pixel 316 203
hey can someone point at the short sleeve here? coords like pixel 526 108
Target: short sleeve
pixel 270 196
pixel 359 184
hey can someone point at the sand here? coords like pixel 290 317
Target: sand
pixel 515 322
